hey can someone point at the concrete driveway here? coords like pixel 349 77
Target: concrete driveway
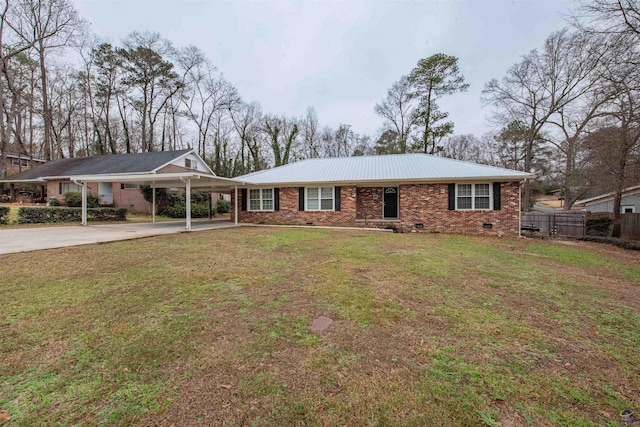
pixel 34 239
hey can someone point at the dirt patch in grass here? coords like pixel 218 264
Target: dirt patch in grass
pixel 214 328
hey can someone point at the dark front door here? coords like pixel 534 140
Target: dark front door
pixel 391 202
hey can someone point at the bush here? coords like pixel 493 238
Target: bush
pixel 57 215
pixel 223 206
pixel 73 199
pixel 625 244
pixel 198 210
pixel 54 202
pixel 599 227
pixel 4 214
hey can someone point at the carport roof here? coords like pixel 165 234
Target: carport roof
pixel 165 180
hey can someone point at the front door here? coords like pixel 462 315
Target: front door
pixel 390 209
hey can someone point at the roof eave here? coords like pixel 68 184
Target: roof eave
pixel 518 178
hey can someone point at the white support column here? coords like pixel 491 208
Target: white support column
pixel 153 203
pixel 188 203
pixel 520 209
pixel 235 209
pixel 84 203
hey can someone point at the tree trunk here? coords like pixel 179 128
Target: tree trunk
pixel 46 110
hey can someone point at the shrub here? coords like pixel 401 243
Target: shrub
pixel 54 202
pixel 28 215
pixel 621 243
pixel 198 210
pixel 599 226
pixel 223 206
pixel 73 199
pixel 4 214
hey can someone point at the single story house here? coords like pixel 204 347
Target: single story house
pixel 402 191
pixel 116 179
pixel 604 202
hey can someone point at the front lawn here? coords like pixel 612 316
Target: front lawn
pixel 213 328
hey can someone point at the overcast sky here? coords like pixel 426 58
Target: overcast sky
pixel 341 56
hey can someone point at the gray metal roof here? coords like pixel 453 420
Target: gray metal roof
pixel 109 164
pixel 394 167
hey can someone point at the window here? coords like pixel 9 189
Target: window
pixel 473 196
pixel 627 209
pixel 261 199
pixel 129 186
pixel 67 187
pixel 190 164
pixel 20 162
pixel 319 199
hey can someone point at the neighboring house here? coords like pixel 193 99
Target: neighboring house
pixel 16 164
pixel 61 176
pixel 604 202
pixel 402 191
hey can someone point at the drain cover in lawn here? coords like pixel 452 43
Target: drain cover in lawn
pixel 320 324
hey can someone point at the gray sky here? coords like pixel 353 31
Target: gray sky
pixel 341 56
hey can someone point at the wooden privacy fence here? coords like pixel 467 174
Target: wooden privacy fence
pixel 574 224
pixel 569 224
pixel 630 226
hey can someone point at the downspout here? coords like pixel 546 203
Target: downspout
pixel 520 209
pixel 84 201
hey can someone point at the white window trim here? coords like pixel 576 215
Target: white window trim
pixel 623 207
pixel 473 196
pixel 273 200
pixel 333 199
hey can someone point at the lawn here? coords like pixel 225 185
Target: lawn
pixel 213 328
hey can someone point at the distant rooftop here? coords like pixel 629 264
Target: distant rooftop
pixel 109 164
pixel 393 167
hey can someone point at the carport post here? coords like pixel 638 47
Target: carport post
pixel 235 209
pixel 84 203
pixel 153 203
pixel 188 203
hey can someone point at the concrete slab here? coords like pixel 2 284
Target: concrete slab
pixel 34 239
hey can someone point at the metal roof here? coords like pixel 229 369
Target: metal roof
pixel 97 165
pixel 385 168
pixel 603 197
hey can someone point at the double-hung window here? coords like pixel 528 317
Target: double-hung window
pixel 320 199
pixel 261 199
pixel 473 196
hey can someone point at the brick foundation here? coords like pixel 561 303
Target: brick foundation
pixel 419 204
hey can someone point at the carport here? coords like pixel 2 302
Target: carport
pixel 187 180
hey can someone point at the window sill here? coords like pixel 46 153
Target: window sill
pixel 379 220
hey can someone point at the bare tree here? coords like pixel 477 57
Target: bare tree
pixel 45 25
pixel 538 87
pixel 310 133
pixel 282 133
pixel 399 111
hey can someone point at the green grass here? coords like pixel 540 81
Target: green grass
pixel 213 328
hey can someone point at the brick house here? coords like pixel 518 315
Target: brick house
pixel 123 191
pixel 407 192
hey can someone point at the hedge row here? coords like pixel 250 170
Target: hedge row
pixel 4 214
pixel 621 243
pixel 56 214
pixel 198 210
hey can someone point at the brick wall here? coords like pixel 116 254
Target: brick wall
pixel 369 203
pixel 289 214
pixel 129 198
pixel 425 204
